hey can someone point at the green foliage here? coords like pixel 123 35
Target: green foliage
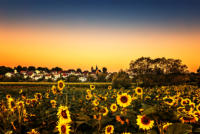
pixel 121 80
pixel 179 128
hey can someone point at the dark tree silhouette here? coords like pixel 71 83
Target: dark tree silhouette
pixel 56 69
pixel 79 70
pixel 104 70
pixel 31 68
pixel 198 70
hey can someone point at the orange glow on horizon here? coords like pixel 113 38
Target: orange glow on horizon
pixel 83 47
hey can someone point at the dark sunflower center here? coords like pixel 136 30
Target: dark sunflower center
pixel 184 102
pixel 188 118
pixel 187 108
pixel 145 120
pixel 139 90
pixel 124 99
pixel 109 129
pixel 12 104
pixel 60 85
pixel 38 96
pixel 103 111
pixel 114 107
pixel 169 100
pixel 180 109
pixel 198 107
pixel 63 128
pixel 64 114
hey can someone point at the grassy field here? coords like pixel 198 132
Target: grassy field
pixel 92 109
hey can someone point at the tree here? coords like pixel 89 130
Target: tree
pixel 101 77
pixel 56 69
pixel 121 80
pixel 4 70
pixel 104 70
pixel 79 70
pixel 198 70
pixel 158 71
pixel 146 65
pixel 43 69
pixel 31 68
pixel 18 68
pixel 24 68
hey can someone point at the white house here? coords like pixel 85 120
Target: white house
pixel 82 79
pixel 9 75
pixel 47 76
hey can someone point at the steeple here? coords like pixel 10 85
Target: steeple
pixel 96 68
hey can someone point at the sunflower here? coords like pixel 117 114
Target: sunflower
pixel 104 111
pixel 183 102
pixel 63 114
pixel 109 87
pixel 197 114
pixel 179 100
pixel 33 101
pixel 113 107
pixel 124 100
pixel 20 104
pixel 169 100
pixel 88 97
pixel 109 129
pixel 139 91
pixel 188 101
pixel 38 96
pixel 144 122
pixel 53 103
pixel 190 118
pixel 181 109
pixel 188 108
pixel 92 87
pixel 33 131
pixel 47 95
pixel 95 102
pixel 53 89
pixel 63 127
pixel 198 108
pixel 61 85
pixel 8 96
pixel 11 104
pixel 88 91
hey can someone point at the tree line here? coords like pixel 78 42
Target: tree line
pixel 143 71
pixel 146 71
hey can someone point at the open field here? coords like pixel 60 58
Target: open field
pixel 53 83
pixel 91 109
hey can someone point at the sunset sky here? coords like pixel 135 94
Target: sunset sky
pixel 108 33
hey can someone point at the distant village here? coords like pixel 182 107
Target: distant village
pixel 55 74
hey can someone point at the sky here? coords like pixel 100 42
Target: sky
pixel 108 33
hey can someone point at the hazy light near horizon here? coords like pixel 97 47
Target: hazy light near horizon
pixel 83 46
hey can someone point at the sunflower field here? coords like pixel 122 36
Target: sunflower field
pixel 62 109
